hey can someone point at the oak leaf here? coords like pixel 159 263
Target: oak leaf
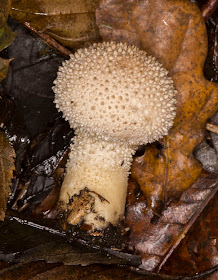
pixel 7 156
pixel 174 32
pixel 70 22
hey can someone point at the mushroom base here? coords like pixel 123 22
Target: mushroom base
pixel 95 184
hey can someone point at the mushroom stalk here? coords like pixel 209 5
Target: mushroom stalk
pixel 99 170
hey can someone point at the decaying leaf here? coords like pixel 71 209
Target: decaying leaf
pixel 156 238
pixel 4 64
pixel 42 271
pixel 7 156
pixel 6 35
pixel 198 250
pixel 207 153
pixel 208 156
pixel 70 22
pixel 174 32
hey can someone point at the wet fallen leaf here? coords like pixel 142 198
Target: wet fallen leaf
pixel 6 35
pixel 4 63
pixel 208 156
pixel 30 78
pixel 70 22
pixel 34 242
pixel 25 271
pixel 7 156
pixel 207 151
pixel 198 250
pixel 211 63
pixel 40 270
pixel 156 238
pixel 38 133
pixel 174 32
pixel 14 126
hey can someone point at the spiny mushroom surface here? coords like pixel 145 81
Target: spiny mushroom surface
pixel 116 98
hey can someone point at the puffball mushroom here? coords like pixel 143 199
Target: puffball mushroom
pixel 115 97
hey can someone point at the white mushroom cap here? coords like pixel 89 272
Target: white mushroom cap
pixel 117 93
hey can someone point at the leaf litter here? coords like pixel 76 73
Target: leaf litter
pixel 6 36
pixel 32 145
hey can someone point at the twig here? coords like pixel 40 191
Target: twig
pixel 50 41
pixel 212 127
pixel 209 8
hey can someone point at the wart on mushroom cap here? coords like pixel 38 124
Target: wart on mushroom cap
pixel 116 97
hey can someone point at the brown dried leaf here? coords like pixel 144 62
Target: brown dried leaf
pixel 42 271
pixel 174 32
pixel 198 250
pixel 6 36
pixel 4 64
pixel 70 22
pixel 7 156
pixel 156 238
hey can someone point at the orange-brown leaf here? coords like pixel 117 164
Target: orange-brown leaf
pixel 6 35
pixel 174 32
pixel 4 64
pixel 72 23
